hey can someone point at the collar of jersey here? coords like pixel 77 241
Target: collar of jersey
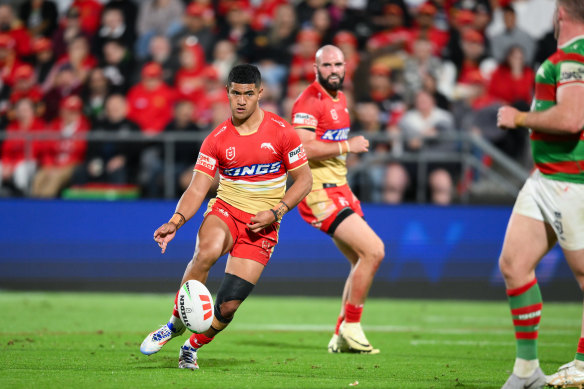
pixel 251 133
pixel 571 41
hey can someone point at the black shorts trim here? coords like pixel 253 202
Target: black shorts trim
pixel 342 215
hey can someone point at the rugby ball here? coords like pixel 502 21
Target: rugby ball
pixel 195 306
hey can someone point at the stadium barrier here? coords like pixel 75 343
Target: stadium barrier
pixel 431 252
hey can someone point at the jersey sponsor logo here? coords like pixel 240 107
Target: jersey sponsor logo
pixel 268 145
pixel 334 114
pixel 304 119
pixel 230 153
pixel 296 154
pixel 221 130
pixel 207 162
pixel 280 123
pixel 253 170
pixel 571 71
pixel 340 134
pixel 223 212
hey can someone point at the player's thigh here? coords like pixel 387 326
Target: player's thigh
pixel 360 237
pixel 527 240
pixel 247 269
pixel 214 238
pixel 347 251
pixel 575 259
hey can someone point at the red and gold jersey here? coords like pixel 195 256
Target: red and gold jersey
pixel 328 117
pixel 252 168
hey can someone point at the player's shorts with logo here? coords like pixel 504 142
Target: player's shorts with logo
pixel 559 203
pixel 326 208
pixel 246 244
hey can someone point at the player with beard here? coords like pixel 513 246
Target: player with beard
pixel 321 119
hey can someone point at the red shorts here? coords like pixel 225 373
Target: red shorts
pixel 246 244
pixel 326 208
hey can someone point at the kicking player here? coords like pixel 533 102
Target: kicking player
pixel 321 119
pixel 550 206
pixel 253 152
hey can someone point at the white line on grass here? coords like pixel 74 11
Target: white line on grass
pixel 479 343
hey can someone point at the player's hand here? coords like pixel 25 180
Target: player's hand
pixel 164 234
pixel 261 220
pixel 506 117
pixel 359 144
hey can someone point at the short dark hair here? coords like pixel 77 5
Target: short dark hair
pixel 245 74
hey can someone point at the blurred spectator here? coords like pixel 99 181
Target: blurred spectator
pixel 12 27
pixel 9 61
pixel 513 81
pixel 264 14
pixel 369 120
pixel 347 42
pixel 78 59
pixel 40 17
pixel 512 36
pixel 302 66
pixel 527 12
pixel 420 64
pixel 195 29
pixel 344 16
pixel 157 17
pixel 546 46
pixel 129 9
pixel 377 11
pixel 19 156
pixel 113 27
pixel 321 23
pixel 25 87
pixel 65 85
pixel 43 59
pixel 118 65
pixel 395 36
pixel 422 126
pixel 69 29
pixel 90 13
pixel 150 101
pixel 160 51
pixel 394 184
pixel 94 94
pixel 306 9
pixel 60 157
pixel 237 29
pixel 274 43
pixel 185 151
pixel 224 58
pixel 190 80
pixel 430 85
pixel 425 28
pixel 109 161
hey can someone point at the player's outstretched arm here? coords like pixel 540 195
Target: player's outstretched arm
pixel 298 190
pixel 187 206
pixel 566 117
pixel 318 150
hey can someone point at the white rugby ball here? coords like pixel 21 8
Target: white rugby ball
pixel 195 306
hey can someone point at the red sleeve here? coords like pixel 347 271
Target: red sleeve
pixel 306 113
pixel 207 161
pixel 294 155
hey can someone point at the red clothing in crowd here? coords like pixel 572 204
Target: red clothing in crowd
pixel 439 38
pixel 22 40
pixel 510 89
pixel 90 11
pixel 70 148
pixel 301 68
pixel 8 69
pixel 14 150
pixel 34 94
pixel 151 109
pixel 390 37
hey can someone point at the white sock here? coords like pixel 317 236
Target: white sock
pixel 524 368
pixel 579 364
pixel 176 324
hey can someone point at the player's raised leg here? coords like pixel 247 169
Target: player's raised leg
pixel 571 375
pixel 213 241
pixel 355 233
pixel 527 240
pixel 241 275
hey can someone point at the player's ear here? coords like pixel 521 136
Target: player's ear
pixel 260 91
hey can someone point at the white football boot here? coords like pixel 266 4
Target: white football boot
pixel 353 335
pixel 337 345
pixel 187 357
pixel 570 375
pixel 155 340
pixel 535 381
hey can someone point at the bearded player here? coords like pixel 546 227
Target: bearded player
pixel 321 119
pixel 253 152
pixel 550 206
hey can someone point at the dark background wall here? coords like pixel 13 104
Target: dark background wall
pixel 431 252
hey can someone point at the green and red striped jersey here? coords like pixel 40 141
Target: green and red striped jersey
pixel 559 157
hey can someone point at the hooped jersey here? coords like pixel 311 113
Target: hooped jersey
pixel 316 110
pixel 252 168
pixel 559 157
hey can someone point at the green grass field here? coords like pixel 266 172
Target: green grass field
pixel 63 340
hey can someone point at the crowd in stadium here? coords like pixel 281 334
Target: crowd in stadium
pixel 414 69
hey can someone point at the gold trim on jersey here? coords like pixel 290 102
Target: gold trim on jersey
pixel 202 172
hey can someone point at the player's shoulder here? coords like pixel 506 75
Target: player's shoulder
pixel 220 130
pixel 275 121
